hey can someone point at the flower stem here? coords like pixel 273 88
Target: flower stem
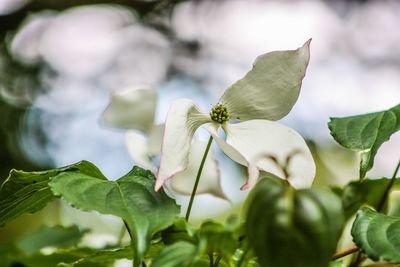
pixel 388 188
pixel 196 183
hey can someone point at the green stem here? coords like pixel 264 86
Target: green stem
pixel 388 188
pixel 196 183
pixel 217 261
pixel 211 256
pixel 130 234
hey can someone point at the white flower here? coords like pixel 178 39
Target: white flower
pixel 266 93
pixel 133 108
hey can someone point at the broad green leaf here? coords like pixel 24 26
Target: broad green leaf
pixel 377 235
pixel 100 256
pixel 132 197
pixel 55 236
pixel 366 191
pixel 293 228
pixel 180 254
pixel 24 192
pixel 366 133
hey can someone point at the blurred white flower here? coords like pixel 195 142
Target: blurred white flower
pixel 133 108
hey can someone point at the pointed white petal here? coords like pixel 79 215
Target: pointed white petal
pixel 210 182
pixel 154 140
pixel 131 108
pixel 136 144
pixel 258 141
pixel 183 119
pixel 271 88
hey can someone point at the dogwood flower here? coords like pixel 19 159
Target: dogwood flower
pixel 247 112
pixel 134 108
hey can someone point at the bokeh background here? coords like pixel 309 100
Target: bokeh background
pixel 61 60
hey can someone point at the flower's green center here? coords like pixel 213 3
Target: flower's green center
pixel 219 113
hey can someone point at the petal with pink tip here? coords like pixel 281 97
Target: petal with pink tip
pixel 271 88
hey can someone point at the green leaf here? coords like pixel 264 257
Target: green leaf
pixel 181 230
pixel 293 228
pixel 218 238
pixel 131 197
pixel 377 235
pixel 55 236
pixel 337 264
pixel 180 254
pixel 24 192
pixel 100 256
pixel 367 191
pixel 366 133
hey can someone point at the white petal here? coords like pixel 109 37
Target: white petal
pixel 258 140
pixel 131 108
pixel 229 150
pixel 210 179
pixel 183 119
pixel 271 88
pixel 154 140
pixel 136 144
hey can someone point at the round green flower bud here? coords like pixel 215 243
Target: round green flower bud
pixel 219 113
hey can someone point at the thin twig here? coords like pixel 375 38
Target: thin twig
pixel 345 252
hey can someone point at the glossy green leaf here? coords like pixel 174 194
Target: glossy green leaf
pixel 367 191
pixel 54 236
pixel 366 133
pixel 24 192
pixel 293 228
pixel 377 235
pixel 132 197
pixel 180 254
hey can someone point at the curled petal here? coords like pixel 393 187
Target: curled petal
pixel 271 147
pixel 137 149
pixel 183 119
pixel 131 108
pixel 271 88
pixel 210 178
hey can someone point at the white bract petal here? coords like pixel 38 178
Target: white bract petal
pixel 131 108
pixel 271 88
pixel 137 149
pixel 261 142
pixel 210 179
pixel 183 119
